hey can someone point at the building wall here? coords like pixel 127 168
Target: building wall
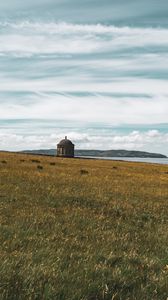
pixel 65 151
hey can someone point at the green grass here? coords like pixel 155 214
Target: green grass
pixel 74 229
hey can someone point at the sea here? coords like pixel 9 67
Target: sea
pixel 163 161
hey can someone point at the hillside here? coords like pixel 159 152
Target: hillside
pixel 102 153
pixel 77 229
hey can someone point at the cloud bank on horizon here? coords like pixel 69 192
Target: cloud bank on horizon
pixel 84 62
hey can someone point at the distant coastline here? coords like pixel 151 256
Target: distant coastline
pixel 102 153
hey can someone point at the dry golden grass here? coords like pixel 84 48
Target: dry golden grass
pixel 77 229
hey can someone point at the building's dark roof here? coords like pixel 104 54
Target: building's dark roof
pixel 65 142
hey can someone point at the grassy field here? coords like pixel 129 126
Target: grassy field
pixel 77 229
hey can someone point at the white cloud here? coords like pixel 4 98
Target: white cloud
pixel 67 28
pixel 93 108
pixel 59 38
pixel 86 83
pixel 135 140
pixel 58 62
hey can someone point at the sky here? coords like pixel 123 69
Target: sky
pixel 96 71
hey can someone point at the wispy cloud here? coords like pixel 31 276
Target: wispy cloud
pixel 130 12
pixel 63 38
pixel 85 84
pixel 83 72
pixel 114 110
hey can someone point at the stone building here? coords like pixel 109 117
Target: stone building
pixel 65 148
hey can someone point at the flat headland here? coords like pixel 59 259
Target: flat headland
pixel 82 229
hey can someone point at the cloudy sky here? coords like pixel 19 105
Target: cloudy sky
pixel 94 70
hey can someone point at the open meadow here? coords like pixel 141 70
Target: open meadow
pixel 82 229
